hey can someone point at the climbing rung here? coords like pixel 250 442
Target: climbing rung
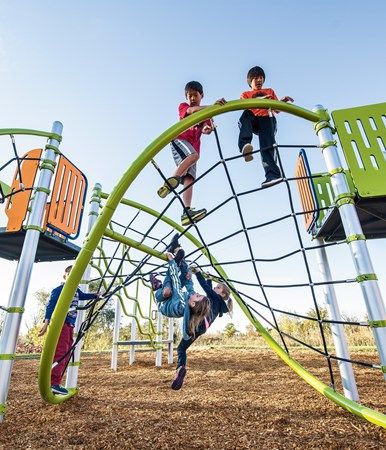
pixel 144 342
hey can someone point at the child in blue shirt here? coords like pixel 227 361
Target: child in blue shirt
pixel 220 303
pixel 185 303
pixel 62 352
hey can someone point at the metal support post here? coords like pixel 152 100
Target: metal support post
pixel 11 328
pixel 171 340
pixel 352 227
pixel 158 340
pixel 133 331
pixel 73 366
pixel 117 326
pixel 337 329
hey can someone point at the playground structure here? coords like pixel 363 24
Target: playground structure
pixel 143 331
pixel 344 199
pixel 41 224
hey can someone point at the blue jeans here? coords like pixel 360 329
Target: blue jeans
pixel 167 283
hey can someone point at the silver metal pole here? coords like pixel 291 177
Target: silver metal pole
pixel 171 340
pixel 73 366
pixel 117 325
pixel 158 340
pixel 10 332
pixel 337 329
pixel 133 333
pixel 354 234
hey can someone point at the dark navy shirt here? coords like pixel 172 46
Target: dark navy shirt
pixel 218 306
pixel 72 313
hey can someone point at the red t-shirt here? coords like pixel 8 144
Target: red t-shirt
pixel 193 134
pixel 268 93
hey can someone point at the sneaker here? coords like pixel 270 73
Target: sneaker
pixel 174 244
pixel 179 256
pixel 247 152
pixel 60 390
pixel 179 378
pixel 192 216
pixel 155 282
pixel 170 184
pixel 271 182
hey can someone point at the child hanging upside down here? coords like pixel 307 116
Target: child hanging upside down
pixel 198 311
pixel 174 301
pixel 220 303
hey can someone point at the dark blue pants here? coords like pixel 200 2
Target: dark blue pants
pixel 265 128
pixel 167 283
pixel 185 344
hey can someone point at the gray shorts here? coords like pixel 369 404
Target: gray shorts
pixel 181 149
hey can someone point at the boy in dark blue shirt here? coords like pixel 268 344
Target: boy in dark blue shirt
pixel 62 352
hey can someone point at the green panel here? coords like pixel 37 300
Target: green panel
pixel 5 188
pixel 362 134
pixel 322 186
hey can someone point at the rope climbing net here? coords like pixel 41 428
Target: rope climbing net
pixel 13 167
pixel 250 238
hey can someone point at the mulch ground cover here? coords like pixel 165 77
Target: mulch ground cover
pixel 231 399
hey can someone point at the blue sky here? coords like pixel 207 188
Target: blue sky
pixel 114 72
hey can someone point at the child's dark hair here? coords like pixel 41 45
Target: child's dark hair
pixel 199 311
pixel 255 72
pixel 194 86
pixel 68 269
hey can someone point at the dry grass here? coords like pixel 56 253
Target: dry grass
pixel 232 399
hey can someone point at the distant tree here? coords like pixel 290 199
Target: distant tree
pixel 230 330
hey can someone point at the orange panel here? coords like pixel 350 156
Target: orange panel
pixel 306 197
pixel 67 198
pixel 17 204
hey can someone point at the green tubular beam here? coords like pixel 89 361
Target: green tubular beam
pixel 102 223
pixel 5 131
pixel 134 244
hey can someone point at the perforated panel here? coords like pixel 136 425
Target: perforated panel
pixel 362 134
pixel 67 200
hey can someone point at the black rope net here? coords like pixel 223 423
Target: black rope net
pixel 13 169
pixel 257 236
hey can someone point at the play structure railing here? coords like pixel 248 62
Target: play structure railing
pixel 63 209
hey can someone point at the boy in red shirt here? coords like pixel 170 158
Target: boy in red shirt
pixel 263 123
pixel 186 152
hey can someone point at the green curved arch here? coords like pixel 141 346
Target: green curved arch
pixel 27 132
pixel 101 225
